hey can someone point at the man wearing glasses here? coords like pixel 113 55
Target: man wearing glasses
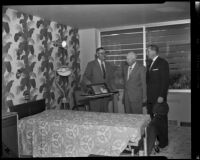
pixel 99 71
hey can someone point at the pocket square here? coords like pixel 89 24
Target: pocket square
pixel 155 69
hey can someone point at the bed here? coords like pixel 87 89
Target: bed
pixel 68 133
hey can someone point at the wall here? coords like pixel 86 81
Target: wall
pixel 29 59
pixel 88 45
pixel 179 106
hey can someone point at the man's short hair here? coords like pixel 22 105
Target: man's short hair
pixel 132 54
pixel 154 48
pixel 100 48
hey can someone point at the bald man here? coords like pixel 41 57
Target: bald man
pixel 134 76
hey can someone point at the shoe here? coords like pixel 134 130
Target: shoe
pixel 163 146
pixel 156 149
pixel 126 152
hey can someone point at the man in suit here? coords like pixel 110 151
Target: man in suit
pixel 157 89
pixel 99 71
pixel 134 76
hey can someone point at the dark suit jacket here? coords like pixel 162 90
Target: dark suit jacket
pixel 135 86
pixel 157 80
pixel 93 74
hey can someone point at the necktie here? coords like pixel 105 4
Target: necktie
pixel 103 70
pixel 129 72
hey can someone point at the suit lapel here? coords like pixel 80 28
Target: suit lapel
pixel 98 67
pixel 106 66
pixel 133 71
pixel 126 71
pixel 155 63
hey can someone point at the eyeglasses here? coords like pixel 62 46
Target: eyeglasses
pixel 103 53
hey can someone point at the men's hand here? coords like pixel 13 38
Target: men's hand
pixel 160 99
pixel 88 82
pixel 117 96
pixel 144 100
pixel 144 110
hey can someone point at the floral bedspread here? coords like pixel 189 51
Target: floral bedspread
pixel 66 133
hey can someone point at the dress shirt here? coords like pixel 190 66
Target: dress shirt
pixel 153 61
pixel 130 68
pixel 103 68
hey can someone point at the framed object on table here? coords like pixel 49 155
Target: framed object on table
pixel 99 88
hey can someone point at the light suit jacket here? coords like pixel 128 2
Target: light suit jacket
pixel 93 74
pixel 135 87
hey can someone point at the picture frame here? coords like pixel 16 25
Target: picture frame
pixel 99 88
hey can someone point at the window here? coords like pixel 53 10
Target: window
pixel 173 42
pixel 118 44
pixel 174 46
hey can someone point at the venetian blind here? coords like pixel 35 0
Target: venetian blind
pixel 174 45
pixel 117 44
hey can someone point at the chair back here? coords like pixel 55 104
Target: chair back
pixel 78 97
pixel 79 101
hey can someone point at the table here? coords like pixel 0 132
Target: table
pixel 67 133
pixel 86 98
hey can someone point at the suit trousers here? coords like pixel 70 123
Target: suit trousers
pixel 132 107
pixel 99 105
pixel 158 129
pixel 150 109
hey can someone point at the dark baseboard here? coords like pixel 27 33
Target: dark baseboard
pixel 172 122
pixel 26 156
pixel 94 155
pixel 185 124
pixel 182 124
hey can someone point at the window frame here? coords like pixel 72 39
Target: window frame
pixel 144 26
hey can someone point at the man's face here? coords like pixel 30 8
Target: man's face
pixel 151 53
pixel 101 54
pixel 130 59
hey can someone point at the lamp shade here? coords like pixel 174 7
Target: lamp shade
pixel 64 71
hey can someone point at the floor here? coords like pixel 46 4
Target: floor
pixel 179 143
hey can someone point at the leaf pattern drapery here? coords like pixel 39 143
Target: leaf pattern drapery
pixel 29 59
pixel 46 65
pixel 23 52
pixel 6 65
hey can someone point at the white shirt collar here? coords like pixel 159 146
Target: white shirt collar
pixel 132 66
pixel 100 62
pixel 155 58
